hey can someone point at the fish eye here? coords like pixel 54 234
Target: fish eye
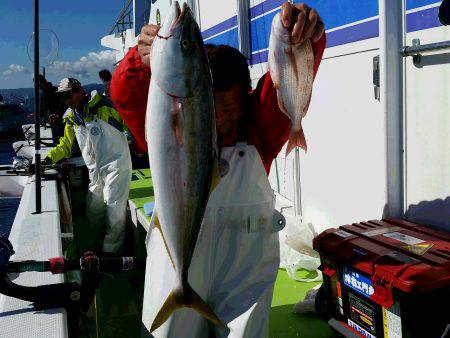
pixel 185 43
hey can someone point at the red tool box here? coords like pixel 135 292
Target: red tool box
pixel 388 278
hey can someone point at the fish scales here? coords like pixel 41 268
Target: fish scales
pixel 291 68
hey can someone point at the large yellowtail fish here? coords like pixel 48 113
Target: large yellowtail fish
pixel 291 69
pixel 181 135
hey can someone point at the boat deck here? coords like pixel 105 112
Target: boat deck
pixel 282 322
pixel 141 192
pixel 34 237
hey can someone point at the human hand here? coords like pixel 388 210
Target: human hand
pixel 145 41
pixel 302 21
pixel 47 161
pixel 65 165
pixel 53 118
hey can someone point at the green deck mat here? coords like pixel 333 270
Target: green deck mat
pixel 141 189
pixel 141 185
pixel 282 322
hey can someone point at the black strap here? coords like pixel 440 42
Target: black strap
pixel 78 118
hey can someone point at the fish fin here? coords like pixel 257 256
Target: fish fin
pixel 154 220
pixel 198 304
pixel 177 130
pixel 184 297
pixel 215 177
pixel 172 303
pixel 297 139
pixel 154 223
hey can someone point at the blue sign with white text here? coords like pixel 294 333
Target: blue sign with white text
pixel 357 282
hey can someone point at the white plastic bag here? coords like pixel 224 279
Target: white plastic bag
pixel 296 251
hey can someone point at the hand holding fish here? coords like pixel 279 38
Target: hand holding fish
pixel 291 64
pixel 145 41
pixel 302 21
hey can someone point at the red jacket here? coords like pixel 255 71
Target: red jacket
pixel 269 128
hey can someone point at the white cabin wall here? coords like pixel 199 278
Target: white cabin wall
pixel 215 12
pixel 343 174
pixel 428 130
pixel 219 22
pixel 163 6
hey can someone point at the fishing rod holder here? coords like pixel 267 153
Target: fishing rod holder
pixel 21 166
pixel 70 295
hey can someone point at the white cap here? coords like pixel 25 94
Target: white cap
pixel 68 83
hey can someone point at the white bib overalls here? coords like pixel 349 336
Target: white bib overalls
pixel 107 157
pixel 235 261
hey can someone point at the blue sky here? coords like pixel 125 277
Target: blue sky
pixel 79 25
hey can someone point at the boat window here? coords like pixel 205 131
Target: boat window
pixel 142 9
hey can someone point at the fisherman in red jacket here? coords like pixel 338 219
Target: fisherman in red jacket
pixel 236 259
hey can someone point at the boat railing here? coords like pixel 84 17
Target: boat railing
pixel 124 20
pixel 416 50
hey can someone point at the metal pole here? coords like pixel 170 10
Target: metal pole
pixel 431 47
pixel 391 65
pixel 44 97
pixel 244 28
pixel 297 184
pixel 37 124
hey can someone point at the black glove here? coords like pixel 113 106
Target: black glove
pixel 65 166
pixel 47 161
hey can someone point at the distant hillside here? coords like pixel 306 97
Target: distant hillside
pixel 26 95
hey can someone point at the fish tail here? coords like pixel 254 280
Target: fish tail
pixel 198 304
pixel 172 303
pixel 184 297
pixel 296 139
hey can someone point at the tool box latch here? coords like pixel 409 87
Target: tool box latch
pixel 382 294
pixel 330 272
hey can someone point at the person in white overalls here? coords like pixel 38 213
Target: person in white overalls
pixel 236 258
pixel 99 131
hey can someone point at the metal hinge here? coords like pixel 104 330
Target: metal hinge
pixel 376 77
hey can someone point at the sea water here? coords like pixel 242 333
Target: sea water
pixel 8 206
